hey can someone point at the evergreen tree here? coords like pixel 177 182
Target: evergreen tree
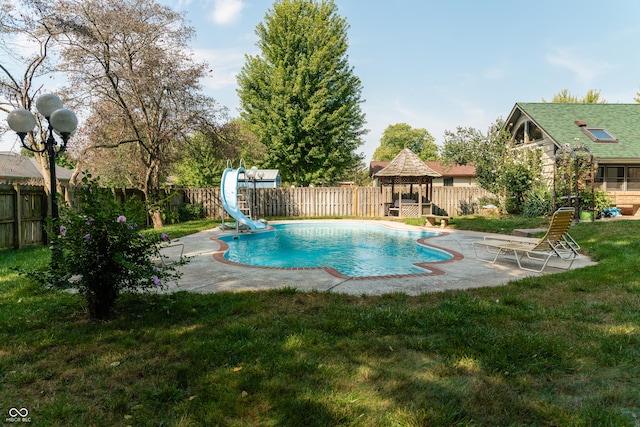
pixel 300 96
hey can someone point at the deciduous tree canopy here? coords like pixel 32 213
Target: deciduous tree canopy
pixel 592 97
pixel 300 96
pixel 27 39
pixel 507 173
pixel 401 135
pixel 204 155
pixel 129 60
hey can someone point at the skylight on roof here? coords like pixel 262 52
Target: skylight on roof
pixel 600 134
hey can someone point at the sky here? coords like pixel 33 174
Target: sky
pixel 438 65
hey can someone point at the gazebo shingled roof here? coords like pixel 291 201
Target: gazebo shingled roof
pixel 407 168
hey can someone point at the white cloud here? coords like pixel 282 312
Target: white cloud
pixel 181 4
pixel 225 65
pixel 226 11
pixel 585 71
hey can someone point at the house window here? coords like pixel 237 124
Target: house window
pixel 527 132
pixel 599 134
pixel 448 182
pixel 535 133
pixel 614 178
pixel 633 178
pixel 618 178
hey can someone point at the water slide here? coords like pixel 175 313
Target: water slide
pixel 229 192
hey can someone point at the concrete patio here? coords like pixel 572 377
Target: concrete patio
pixel 204 274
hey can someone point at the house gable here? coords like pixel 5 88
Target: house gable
pixel 611 132
pixel 565 123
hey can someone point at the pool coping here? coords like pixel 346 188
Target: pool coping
pixel 429 266
pixel 205 272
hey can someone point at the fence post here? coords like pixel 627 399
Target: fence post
pixel 18 216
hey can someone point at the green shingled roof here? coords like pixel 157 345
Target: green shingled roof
pixel 621 120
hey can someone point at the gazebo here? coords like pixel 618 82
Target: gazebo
pixel 407 169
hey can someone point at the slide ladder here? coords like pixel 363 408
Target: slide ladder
pixel 229 195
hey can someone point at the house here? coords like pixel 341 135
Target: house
pixel 611 132
pixel 266 178
pixel 452 175
pixel 17 169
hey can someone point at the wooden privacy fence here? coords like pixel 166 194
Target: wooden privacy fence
pixel 367 202
pixel 22 212
pixel 23 208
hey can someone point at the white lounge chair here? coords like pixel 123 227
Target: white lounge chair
pixel 555 243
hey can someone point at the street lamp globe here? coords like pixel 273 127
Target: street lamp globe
pixel 47 104
pixel 21 121
pixel 64 121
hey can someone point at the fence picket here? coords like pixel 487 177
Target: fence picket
pixel 22 214
pixel 363 202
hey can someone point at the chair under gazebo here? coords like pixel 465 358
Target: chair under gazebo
pixel 408 169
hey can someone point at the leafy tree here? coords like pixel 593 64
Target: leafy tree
pixel 300 96
pixel 204 156
pixel 460 147
pixel 29 22
pixel 485 152
pixel 507 173
pixel 592 97
pixel 63 159
pixel 401 135
pixel 519 174
pixel 129 60
pixel 102 253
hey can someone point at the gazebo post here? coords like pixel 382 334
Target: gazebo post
pixel 420 200
pixel 431 196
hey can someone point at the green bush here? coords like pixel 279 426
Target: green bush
pixel 537 202
pixel 100 252
pixel 191 212
pixel 600 199
pixel 135 211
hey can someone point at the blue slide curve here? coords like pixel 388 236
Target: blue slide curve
pixel 229 191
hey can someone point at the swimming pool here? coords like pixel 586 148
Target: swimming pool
pixel 353 249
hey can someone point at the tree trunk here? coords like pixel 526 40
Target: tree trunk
pixel 156 219
pixel 101 299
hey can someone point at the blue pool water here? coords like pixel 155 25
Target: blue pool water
pixel 353 249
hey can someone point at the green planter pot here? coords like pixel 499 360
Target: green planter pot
pixel 586 215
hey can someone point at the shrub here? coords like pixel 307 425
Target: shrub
pixel 191 212
pixel 468 207
pixel 537 202
pixel 135 211
pixel 601 200
pixel 97 250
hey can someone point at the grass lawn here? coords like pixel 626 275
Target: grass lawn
pixel 560 349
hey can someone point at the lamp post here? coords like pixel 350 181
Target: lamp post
pixel 64 122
